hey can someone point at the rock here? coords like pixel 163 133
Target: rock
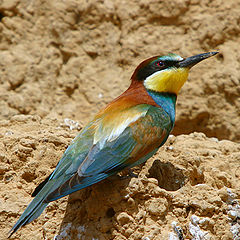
pixel 62 61
pixel 126 209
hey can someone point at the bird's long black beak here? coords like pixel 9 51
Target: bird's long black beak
pixel 191 61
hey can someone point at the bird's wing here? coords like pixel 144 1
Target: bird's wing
pixel 113 141
pixel 102 130
pixel 72 158
pixel 119 141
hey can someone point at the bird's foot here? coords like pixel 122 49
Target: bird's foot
pixel 129 174
pixel 132 174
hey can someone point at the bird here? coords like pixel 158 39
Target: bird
pixel 125 133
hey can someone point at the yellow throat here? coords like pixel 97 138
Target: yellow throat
pixel 169 80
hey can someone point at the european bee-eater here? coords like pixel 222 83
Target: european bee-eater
pixel 125 133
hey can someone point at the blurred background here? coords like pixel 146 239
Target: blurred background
pixel 67 59
pixel 63 60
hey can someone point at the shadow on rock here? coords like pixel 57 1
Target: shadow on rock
pixel 169 177
pixel 106 208
pixel 90 212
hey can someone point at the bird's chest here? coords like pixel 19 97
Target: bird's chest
pixel 166 102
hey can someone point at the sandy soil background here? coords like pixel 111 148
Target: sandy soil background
pixel 61 61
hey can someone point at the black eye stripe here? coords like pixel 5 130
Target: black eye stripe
pixel 160 63
pixel 169 63
pixel 154 66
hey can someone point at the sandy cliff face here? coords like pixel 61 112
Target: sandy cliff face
pixel 62 60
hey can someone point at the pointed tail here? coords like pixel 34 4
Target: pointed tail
pixel 35 208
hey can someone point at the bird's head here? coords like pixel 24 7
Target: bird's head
pixel 166 73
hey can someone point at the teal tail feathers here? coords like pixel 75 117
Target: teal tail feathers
pixel 34 209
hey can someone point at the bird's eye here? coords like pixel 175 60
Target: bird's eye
pixel 160 64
